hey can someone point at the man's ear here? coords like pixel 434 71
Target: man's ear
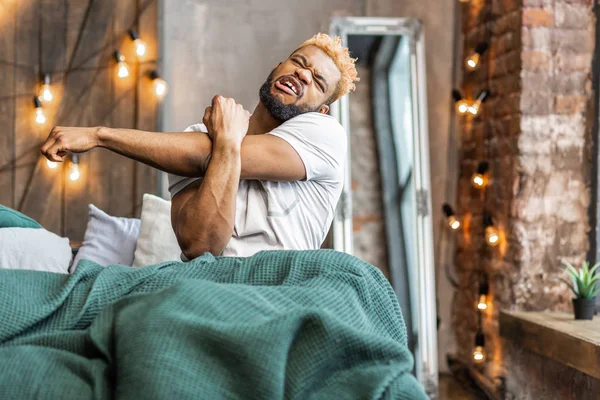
pixel 324 109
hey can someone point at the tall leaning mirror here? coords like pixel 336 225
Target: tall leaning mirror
pixel 387 116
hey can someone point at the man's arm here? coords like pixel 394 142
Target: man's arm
pixel 264 157
pixel 209 210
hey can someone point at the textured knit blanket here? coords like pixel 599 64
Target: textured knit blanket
pixel 293 325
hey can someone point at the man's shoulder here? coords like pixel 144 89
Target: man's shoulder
pixel 314 122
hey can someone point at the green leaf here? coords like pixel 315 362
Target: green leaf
pixel 582 276
pixel 569 285
pixel 581 289
pixel 594 268
pixel 594 280
pixel 570 269
pixel 595 292
pixel 585 266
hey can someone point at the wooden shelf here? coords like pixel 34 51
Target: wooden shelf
pixel 557 336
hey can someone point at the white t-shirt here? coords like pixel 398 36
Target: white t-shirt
pixel 288 215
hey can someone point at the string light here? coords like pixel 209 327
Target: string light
pixel 453 222
pixel 480 178
pixel 74 173
pixel 476 106
pixel 140 45
pixel 478 351
pixel 46 93
pixel 40 118
pixel 483 293
pixel 51 164
pixel 122 68
pixel 461 105
pixel 160 86
pixel 472 62
pixel 491 234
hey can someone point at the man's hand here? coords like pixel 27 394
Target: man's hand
pixel 226 120
pixel 65 139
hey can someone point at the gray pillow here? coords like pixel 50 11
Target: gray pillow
pixel 108 240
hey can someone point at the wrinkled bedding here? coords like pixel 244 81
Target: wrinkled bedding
pixel 280 324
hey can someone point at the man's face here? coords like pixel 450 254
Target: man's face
pixel 302 83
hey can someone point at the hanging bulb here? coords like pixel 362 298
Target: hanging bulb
pixel 51 164
pixel 460 104
pixel 74 173
pixel 453 222
pixel 491 234
pixel 480 179
pixel 478 351
pixel 46 93
pixel 40 118
pixel 122 68
pixel 483 292
pixel 139 44
pixel 472 62
pixel 476 106
pixel 160 86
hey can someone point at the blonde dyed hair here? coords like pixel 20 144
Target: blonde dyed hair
pixel 332 46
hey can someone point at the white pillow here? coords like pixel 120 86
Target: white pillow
pixel 34 249
pixel 108 240
pixel 156 242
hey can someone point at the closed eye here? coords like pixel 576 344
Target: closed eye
pixel 315 79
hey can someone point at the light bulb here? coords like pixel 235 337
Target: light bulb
pixel 123 69
pixel 46 95
pixel 482 303
pixel 478 354
pixel 453 222
pixel 462 106
pixel 46 92
pixel 74 173
pixel 472 61
pixel 491 236
pixel 40 118
pixel 479 180
pixel 474 108
pixel 51 164
pixel 140 47
pixel 160 87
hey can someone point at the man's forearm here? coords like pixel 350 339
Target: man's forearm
pixel 207 219
pixel 180 153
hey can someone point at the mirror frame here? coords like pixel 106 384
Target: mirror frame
pixel 422 297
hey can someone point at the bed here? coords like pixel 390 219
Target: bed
pixel 280 324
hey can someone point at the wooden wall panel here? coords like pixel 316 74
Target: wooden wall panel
pixel 26 132
pixel 53 61
pixel 147 104
pixel 122 172
pixel 74 42
pixel 7 103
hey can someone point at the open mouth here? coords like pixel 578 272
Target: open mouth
pixel 289 85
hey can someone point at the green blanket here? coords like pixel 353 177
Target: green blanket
pixel 294 325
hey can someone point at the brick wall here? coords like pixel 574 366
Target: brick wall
pixel 534 130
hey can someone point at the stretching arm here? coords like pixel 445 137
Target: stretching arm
pixel 211 207
pixel 264 157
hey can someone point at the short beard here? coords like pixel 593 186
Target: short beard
pixel 278 110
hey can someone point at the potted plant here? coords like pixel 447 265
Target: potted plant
pixel 584 288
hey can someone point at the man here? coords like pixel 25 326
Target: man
pixel 241 183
